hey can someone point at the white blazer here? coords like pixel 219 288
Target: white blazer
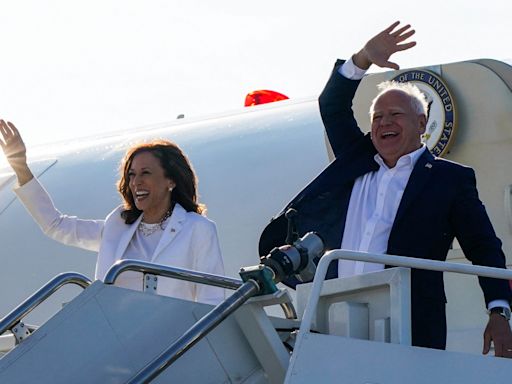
pixel 189 241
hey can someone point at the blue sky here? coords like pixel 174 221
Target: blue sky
pixel 74 68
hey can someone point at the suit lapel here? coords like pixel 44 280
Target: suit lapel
pixel 178 217
pixel 356 163
pixel 125 239
pixel 342 171
pixel 419 177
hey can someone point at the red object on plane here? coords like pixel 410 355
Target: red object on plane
pixel 263 96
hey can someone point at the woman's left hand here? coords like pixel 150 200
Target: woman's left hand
pixel 15 151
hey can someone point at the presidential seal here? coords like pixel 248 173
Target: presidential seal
pixel 441 126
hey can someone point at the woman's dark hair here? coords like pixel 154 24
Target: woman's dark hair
pixel 176 167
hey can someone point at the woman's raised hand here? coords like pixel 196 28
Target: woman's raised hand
pixel 15 151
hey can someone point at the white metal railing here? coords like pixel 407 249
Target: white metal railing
pixel 398 261
pixel 40 296
pixel 13 318
pixel 145 267
pixel 125 265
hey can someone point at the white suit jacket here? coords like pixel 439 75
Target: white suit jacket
pixel 188 241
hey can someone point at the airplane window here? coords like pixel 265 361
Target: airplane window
pixel 7 180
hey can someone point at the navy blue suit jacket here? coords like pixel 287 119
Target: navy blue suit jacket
pixel 440 202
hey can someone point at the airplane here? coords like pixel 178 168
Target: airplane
pixel 250 163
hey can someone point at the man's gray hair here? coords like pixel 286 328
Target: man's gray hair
pixel 419 102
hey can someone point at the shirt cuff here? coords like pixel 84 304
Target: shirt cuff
pixel 351 71
pixel 498 303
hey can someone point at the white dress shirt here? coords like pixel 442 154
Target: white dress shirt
pixel 372 209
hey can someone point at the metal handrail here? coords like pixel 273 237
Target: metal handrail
pixel 243 292
pixel 194 334
pixel 172 272
pixel 183 274
pixel 399 261
pixel 11 319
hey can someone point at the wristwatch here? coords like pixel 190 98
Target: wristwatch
pixel 503 311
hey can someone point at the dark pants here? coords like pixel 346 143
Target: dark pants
pixel 428 321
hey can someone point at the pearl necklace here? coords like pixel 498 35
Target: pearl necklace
pixel 148 229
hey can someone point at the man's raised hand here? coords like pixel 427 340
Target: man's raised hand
pixel 379 48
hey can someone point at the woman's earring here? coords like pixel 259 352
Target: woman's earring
pixel 170 189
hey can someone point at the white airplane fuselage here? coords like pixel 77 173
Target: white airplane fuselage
pixel 249 164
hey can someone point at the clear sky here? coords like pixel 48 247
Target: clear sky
pixel 73 68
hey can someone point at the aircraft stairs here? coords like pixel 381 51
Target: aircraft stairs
pixel 353 330
pixel 108 334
